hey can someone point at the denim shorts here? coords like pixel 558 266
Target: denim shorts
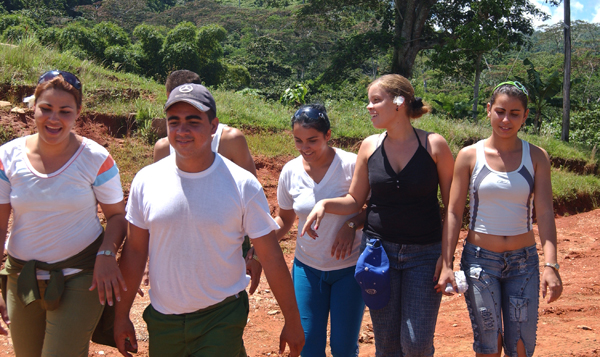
pixel 405 326
pixel 503 291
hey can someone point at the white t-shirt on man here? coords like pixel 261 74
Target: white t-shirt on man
pixel 197 223
pixel 298 191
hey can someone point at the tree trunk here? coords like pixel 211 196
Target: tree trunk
pixel 537 122
pixel 567 78
pixel 410 18
pixel 476 89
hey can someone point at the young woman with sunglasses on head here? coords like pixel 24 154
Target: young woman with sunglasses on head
pixel 402 169
pixel 323 271
pixel 58 251
pixel 504 176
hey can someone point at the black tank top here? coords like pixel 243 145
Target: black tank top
pixel 404 207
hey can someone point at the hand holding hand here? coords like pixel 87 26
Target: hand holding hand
pixel 446 276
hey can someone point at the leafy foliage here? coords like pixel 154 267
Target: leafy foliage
pixel 541 91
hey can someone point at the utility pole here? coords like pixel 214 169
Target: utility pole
pixel 567 77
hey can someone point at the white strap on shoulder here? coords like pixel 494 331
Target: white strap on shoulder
pixel 380 138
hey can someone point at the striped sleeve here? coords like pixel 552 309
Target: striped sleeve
pixel 107 185
pixel 107 171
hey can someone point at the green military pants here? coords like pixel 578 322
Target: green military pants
pixel 211 332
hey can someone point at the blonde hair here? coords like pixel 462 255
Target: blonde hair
pixel 396 85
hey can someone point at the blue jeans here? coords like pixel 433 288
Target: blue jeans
pixel 320 293
pixel 503 288
pixel 405 326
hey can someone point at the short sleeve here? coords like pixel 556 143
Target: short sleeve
pixel 257 216
pixel 107 185
pixel 4 185
pixel 135 205
pixel 284 198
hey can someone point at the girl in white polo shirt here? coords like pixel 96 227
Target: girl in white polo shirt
pixel 323 270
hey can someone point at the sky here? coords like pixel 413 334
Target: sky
pixel 586 10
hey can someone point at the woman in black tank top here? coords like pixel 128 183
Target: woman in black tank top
pixel 402 169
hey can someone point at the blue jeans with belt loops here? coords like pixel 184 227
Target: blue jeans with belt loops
pixel 405 326
pixel 503 290
pixel 321 294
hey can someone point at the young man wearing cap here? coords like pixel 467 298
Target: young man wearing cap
pixel 190 214
pixel 227 141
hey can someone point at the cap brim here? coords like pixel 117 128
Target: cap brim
pixel 193 103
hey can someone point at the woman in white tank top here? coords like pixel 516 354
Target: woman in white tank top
pixel 504 177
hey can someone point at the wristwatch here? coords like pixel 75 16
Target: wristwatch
pixel 351 224
pixel 107 252
pixel 553 265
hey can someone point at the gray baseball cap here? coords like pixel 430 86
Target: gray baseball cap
pixel 194 94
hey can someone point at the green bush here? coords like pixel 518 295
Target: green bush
pixel 49 36
pixel 7 21
pixel 111 34
pixel 14 34
pixel 236 77
pixel 77 36
pixel 585 127
pixel 122 58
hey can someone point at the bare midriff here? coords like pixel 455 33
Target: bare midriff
pixel 499 244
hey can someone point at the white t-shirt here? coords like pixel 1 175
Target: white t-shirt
pixel 197 223
pixel 55 216
pixel 298 191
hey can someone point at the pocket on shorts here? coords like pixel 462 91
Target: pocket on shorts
pixel 518 308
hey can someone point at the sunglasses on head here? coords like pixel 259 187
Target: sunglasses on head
pixel 310 112
pixel 68 76
pixel 516 84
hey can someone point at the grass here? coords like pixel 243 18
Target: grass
pixel 271 144
pixel 566 186
pixel 131 156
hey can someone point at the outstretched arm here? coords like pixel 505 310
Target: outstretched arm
pixel 133 260
pixel 280 281
pixel 357 195
pixel 544 211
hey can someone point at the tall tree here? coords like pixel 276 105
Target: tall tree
pixel 475 28
pixel 416 25
pixel 408 22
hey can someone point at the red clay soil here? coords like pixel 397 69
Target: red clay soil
pixel 568 327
